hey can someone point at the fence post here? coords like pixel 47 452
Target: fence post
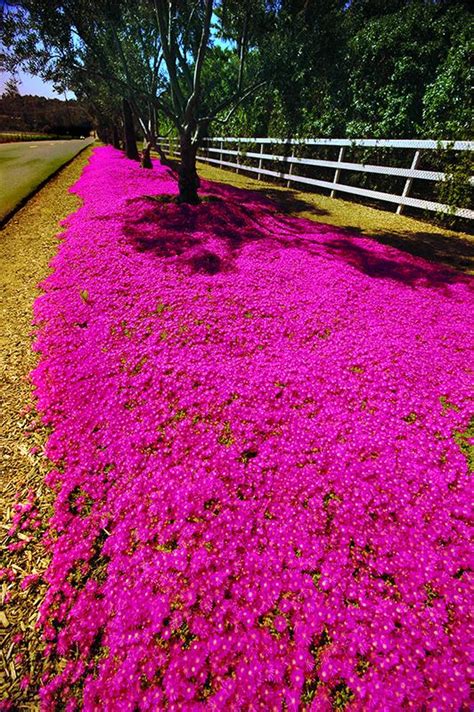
pixel 220 155
pixel 338 171
pixel 260 162
pixel 409 181
pixel 290 170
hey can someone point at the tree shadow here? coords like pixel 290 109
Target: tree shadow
pixel 208 238
pixel 434 246
pixel 399 268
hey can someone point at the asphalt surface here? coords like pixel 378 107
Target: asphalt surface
pixel 26 165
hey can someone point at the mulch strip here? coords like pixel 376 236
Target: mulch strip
pixel 27 244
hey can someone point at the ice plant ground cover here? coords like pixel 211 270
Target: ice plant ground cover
pixel 259 437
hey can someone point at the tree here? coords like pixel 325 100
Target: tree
pixel 447 102
pixel 95 54
pixel 324 67
pixel 187 32
pixel 153 52
pixel 395 52
pixel 11 90
pixel 303 53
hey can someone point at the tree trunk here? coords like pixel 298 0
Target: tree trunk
pixel 188 179
pixel 104 132
pixel 146 158
pixel 130 140
pixel 115 137
pixel 161 153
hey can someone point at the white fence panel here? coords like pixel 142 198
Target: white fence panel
pixel 287 162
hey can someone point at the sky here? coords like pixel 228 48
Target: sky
pixel 28 84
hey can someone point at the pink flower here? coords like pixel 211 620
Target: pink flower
pixel 25 682
pixel 258 492
pixel 29 580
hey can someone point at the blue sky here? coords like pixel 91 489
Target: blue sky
pixel 29 84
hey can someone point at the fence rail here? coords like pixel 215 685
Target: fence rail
pixel 287 161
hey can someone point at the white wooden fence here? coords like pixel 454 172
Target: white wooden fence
pixel 217 151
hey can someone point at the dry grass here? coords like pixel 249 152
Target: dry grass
pixel 406 233
pixel 27 244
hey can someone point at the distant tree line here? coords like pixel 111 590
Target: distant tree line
pixel 378 68
pixel 38 114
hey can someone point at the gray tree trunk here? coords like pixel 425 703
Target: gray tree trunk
pixel 130 138
pixel 115 137
pixel 188 179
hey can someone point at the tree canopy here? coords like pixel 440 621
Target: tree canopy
pixel 397 68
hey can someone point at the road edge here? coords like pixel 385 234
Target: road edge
pixel 23 201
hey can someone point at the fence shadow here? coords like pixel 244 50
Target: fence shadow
pixel 290 203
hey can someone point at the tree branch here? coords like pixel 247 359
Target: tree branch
pixel 243 52
pixel 238 99
pixel 163 22
pixel 206 29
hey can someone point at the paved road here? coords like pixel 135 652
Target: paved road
pixel 24 165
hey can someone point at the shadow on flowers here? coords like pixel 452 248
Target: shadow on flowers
pixel 371 260
pixel 436 246
pixel 207 238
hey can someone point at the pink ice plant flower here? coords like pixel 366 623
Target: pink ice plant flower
pixel 261 498
pixel 29 580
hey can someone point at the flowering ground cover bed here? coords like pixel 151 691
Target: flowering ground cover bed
pixel 260 430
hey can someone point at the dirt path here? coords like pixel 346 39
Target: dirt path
pixel 27 244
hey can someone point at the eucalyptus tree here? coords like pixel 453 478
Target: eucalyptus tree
pixel 108 50
pixel 189 31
